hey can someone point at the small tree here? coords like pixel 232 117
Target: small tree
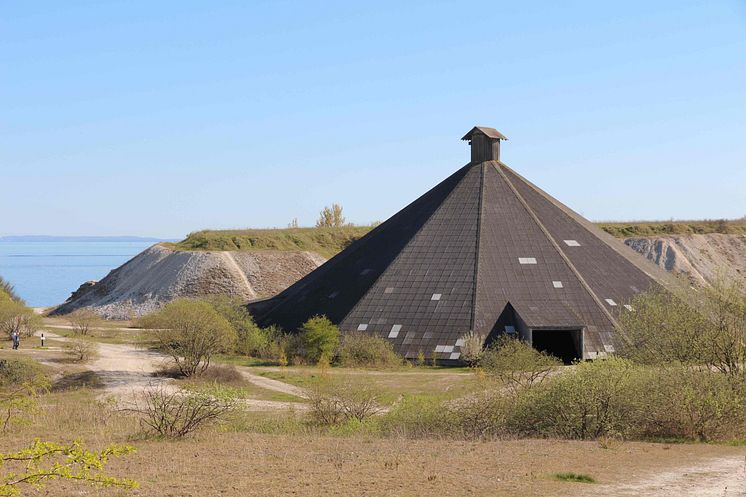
pixel 518 365
pixel 82 320
pixel 331 217
pixel 320 338
pixel 191 332
pixel 16 317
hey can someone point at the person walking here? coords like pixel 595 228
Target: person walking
pixel 16 340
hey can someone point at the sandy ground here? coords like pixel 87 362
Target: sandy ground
pixel 126 370
pixel 715 477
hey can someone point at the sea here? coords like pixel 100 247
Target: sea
pixel 45 273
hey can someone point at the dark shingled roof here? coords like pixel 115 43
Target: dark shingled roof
pixel 483 250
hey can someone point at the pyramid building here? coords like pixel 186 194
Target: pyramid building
pixel 484 250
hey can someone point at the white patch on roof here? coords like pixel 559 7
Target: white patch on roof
pixel 610 302
pixel 609 348
pixel 436 296
pixel 389 289
pixel 333 294
pixel 448 348
pixel 571 243
pixel 628 307
pixel 527 260
pixel 557 284
pixel 455 355
pixel 439 348
pixel 395 331
pixel 460 342
pixel 362 327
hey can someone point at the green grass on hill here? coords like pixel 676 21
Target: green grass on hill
pixel 323 241
pixel 329 241
pixel 658 228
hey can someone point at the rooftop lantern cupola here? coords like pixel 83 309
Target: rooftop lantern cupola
pixel 485 143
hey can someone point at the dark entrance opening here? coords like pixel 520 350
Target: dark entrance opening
pixel 562 344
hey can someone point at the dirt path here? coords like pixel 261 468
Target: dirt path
pixel 126 370
pixel 270 384
pixel 239 272
pixel 720 477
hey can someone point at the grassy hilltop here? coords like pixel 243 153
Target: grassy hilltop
pixel 323 241
pixel 329 241
pixel 661 228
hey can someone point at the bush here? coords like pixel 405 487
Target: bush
pixel 250 339
pixel 18 371
pixel 190 332
pixel 333 402
pixel 704 328
pixel 82 350
pixel 175 414
pixel 518 365
pixel 362 350
pixel 223 375
pixel 320 337
pixel 682 402
pixel 593 399
pixel 82 320
pixel 473 347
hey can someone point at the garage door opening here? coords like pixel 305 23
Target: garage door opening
pixel 562 344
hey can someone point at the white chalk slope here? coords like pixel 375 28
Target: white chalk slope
pixel 158 275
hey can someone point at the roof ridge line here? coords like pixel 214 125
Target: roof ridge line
pixel 556 245
pixel 414 236
pixel 477 247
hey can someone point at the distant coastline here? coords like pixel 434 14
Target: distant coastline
pixel 50 238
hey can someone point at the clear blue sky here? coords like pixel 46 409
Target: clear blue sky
pixel 159 118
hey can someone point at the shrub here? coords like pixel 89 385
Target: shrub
pixel 332 402
pixel 681 402
pixel 480 415
pixel 22 381
pixel 82 320
pixel 223 375
pixel 18 371
pixel 362 350
pixel 319 337
pixel 703 328
pixel 175 414
pixel 42 462
pixel 82 350
pixel 473 347
pixel 593 399
pixel 518 365
pixel 190 332
pixel 250 339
